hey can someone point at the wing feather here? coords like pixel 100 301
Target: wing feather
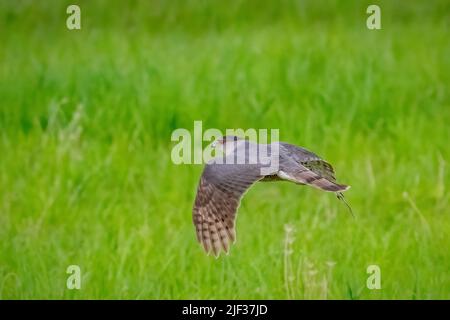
pixel 218 197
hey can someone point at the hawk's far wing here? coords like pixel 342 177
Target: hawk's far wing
pixel 219 192
pixel 322 168
pixel 310 160
pixel 304 166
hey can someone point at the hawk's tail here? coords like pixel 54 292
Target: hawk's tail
pixel 311 178
pixel 327 185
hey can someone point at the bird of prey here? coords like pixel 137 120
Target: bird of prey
pixel 224 182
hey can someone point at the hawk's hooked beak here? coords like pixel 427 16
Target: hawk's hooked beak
pixel 216 143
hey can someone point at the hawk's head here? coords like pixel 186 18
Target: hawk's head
pixel 225 140
pixel 226 144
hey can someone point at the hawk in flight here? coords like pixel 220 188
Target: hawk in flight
pixel 227 177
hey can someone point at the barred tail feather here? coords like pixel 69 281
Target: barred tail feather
pixel 306 176
pixel 326 185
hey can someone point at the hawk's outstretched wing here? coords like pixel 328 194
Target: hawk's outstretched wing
pixel 219 192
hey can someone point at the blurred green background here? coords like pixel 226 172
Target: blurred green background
pixel 86 118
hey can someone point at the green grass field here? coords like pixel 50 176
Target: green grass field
pixel 86 176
